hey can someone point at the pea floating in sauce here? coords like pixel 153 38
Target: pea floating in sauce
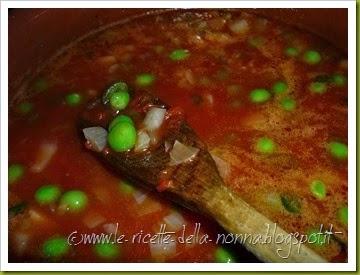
pixel 55 247
pixel 47 194
pixel 265 145
pixel 312 57
pixel 291 52
pixel 41 85
pixel 259 95
pixel 339 80
pixel 107 250
pixel 343 215
pixel 126 187
pixel 15 172
pixel 73 99
pixel 317 238
pixel 288 104
pixel 223 255
pixel 73 201
pixel 338 150
pixel 25 107
pixel 145 79
pixel 318 189
pixel 318 87
pixel 179 54
pixel 291 203
pixel 279 87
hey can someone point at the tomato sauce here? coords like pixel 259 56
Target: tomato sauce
pixel 230 55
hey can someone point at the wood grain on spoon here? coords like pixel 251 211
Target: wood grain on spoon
pixel 195 184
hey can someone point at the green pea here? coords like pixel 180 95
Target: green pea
pixel 73 201
pixel 223 255
pixel 318 189
pixel 73 99
pixel 265 145
pixel 25 107
pixel 318 87
pixel 316 238
pixel 122 137
pixel 15 172
pixel 55 247
pixel 339 80
pixel 343 215
pixel 40 85
pixel 107 250
pixel 126 187
pixel 291 203
pixel 145 79
pixel 119 100
pixel 179 54
pixel 259 95
pixel 256 41
pixel 115 88
pixel 279 87
pixel 288 104
pixel 338 150
pixel 47 194
pixel 312 57
pixel 291 52
pixel 118 119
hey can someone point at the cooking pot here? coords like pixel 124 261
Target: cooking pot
pixel 36 35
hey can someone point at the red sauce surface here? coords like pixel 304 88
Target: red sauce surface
pixel 212 88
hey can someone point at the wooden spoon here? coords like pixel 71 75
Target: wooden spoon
pixel 195 184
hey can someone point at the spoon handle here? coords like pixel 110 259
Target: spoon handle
pixel 238 217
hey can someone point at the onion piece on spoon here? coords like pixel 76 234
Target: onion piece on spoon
pixel 97 137
pixel 154 118
pixel 181 153
pixel 142 142
pixel 223 167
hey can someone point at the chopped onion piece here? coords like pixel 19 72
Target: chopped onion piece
pixel 143 141
pixel 222 166
pixel 21 242
pixel 175 221
pixel 181 153
pixel 154 137
pixel 161 249
pixel 154 118
pixel 113 68
pixel 239 26
pixel 45 154
pixel 149 206
pixel 167 146
pixel 37 217
pixel 96 136
pixel 107 60
pixel 100 192
pixel 92 220
pixel 139 196
pixel 111 228
pixel 209 99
